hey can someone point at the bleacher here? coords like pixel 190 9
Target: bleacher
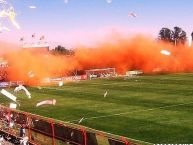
pixel 46 131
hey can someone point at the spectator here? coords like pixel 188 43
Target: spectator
pixel 22 131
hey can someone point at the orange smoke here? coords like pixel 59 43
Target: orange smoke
pixel 122 53
pixel 137 53
pixel 23 63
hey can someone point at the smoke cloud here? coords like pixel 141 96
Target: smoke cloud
pixel 120 52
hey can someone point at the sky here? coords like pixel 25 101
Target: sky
pixel 89 21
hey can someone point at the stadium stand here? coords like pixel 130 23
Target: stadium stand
pixel 16 125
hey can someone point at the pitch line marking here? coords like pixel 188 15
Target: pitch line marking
pixel 104 116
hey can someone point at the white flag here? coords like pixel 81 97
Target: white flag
pixel 12 105
pixel 105 94
pixel 80 120
pixel 8 95
pixel 60 83
pixel 21 87
pixel 46 102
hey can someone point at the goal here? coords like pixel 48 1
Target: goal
pixel 102 73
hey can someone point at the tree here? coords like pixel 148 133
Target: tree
pixel 166 34
pixel 62 51
pixel 179 36
pixel 176 36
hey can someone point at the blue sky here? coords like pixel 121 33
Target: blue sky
pixel 86 21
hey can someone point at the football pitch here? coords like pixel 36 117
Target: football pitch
pixel 151 108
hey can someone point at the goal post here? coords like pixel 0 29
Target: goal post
pixel 102 73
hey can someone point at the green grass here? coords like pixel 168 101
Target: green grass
pixel 136 96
